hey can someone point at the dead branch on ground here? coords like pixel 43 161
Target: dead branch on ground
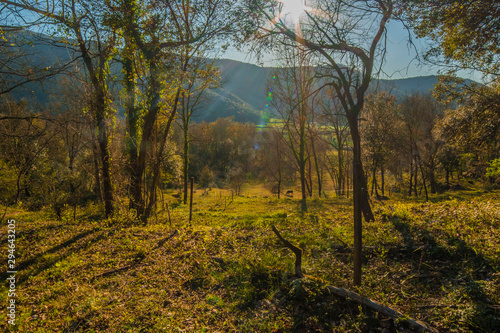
pixel 347 294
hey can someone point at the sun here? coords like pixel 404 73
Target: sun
pixel 294 9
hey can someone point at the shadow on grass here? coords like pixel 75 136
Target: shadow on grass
pixel 453 267
pixel 33 267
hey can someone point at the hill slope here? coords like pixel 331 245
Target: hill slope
pixel 242 96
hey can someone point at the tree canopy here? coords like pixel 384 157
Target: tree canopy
pixel 467 33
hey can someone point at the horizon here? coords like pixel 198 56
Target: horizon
pixel 402 61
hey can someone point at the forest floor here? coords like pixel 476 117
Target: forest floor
pixel 438 262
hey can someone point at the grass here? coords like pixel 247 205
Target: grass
pixel 438 262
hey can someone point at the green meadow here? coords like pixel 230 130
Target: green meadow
pixel 437 262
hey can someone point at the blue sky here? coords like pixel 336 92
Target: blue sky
pixel 401 59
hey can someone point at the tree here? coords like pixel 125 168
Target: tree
pixel 292 97
pixel 419 113
pixel 272 159
pixel 448 158
pixel 206 177
pixel 318 149
pixel 24 142
pixel 22 65
pixel 202 75
pixel 346 36
pixel 466 33
pixel 157 30
pixel 237 178
pixel 466 36
pixel 73 127
pixel 471 122
pixel 337 137
pixel 222 145
pixel 81 24
pixel 379 133
pixel 493 171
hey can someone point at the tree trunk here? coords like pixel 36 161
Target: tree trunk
pixel 432 182
pixel 302 171
pixel 105 157
pixel 97 187
pixel 411 173
pixel 157 163
pixel 303 205
pixel 423 179
pixel 296 250
pixel 432 179
pixel 340 179
pixel 375 185
pixel 191 202
pixel 309 175
pixel 374 176
pixel 347 184
pixel 316 164
pixel 357 180
pixel 18 187
pixel 382 175
pixel 416 178
pixel 365 203
pixel 341 167
pixel 132 119
pixel 153 95
pixel 347 294
pixel 185 161
pixel 98 79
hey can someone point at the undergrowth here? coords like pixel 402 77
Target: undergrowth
pixel 437 262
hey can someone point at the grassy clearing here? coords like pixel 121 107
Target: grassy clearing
pixel 438 262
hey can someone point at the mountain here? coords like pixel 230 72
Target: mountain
pixel 250 83
pixel 243 94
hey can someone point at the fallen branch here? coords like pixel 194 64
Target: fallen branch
pixel 344 293
pixel 347 294
pixel 296 250
pixel 421 326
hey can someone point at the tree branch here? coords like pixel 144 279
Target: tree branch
pixel 296 250
pixel 385 310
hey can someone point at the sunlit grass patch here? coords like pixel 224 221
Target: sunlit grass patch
pixel 438 262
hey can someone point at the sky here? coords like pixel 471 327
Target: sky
pixel 401 59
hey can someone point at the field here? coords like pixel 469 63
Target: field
pixel 437 262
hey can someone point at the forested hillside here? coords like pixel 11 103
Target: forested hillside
pixel 242 94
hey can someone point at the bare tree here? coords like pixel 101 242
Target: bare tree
pixel 293 98
pixel 81 24
pixel 200 76
pixel 346 36
pixel 273 159
pixel 22 65
pixel 19 136
pixel 420 112
pixel 380 134
pixel 318 148
pixel 336 137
